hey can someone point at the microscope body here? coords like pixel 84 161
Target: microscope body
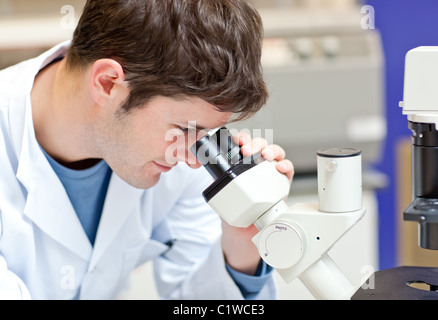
pixel 420 104
pixel 292 239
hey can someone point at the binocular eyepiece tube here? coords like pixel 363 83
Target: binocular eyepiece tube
pixel 217 152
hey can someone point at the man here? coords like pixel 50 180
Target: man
pixel 87 192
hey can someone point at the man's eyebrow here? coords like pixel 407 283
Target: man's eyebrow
pixel 195 125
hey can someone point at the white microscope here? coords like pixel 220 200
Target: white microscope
pixel 294 240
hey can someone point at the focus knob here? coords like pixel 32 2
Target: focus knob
pixel 280 245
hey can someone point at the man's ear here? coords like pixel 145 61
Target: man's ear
pixel 105 80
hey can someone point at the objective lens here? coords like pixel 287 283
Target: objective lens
pixel 217 152
pixel 424 207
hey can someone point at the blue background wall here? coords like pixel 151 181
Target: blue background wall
pixel 404 24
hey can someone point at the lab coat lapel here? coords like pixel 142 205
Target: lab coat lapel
pixel 120 202
pixel 47 203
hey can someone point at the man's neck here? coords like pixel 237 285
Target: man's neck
pixel 58 115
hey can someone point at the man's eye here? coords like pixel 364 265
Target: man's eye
pixel 183 129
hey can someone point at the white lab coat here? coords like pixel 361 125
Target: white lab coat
pixel 44 251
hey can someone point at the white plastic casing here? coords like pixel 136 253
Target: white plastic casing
pixel 242 201
pixel 420 101
pixel 340 181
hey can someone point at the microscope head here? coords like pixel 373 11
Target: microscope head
pixel 421 106
pixel 244 188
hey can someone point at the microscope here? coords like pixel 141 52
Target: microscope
pixel 420 104
pixel 295 240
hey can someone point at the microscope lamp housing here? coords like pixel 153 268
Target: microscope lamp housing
pixel 420 96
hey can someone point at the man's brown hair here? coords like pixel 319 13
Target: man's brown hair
pixel 176 48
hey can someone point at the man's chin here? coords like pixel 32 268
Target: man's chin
pixel 147 182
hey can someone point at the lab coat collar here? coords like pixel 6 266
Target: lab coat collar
pixel 19 102
pixel 47 203
pixel 120 202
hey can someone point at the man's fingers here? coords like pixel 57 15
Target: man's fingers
pixel 274 153
pixel 254 146
pixel 242 138
pixel 287 168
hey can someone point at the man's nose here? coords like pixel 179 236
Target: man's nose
pixel 189 158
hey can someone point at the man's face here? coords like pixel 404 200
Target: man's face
pixel 141 145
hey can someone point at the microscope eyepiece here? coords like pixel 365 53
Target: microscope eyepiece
pixel 222 158
pixel 217 152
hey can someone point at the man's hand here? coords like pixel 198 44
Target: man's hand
pixel 239 251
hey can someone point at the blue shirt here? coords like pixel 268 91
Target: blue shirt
pixel 250 286
pixel 87 190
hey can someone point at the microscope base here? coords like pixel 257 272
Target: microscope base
pixel 393 284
